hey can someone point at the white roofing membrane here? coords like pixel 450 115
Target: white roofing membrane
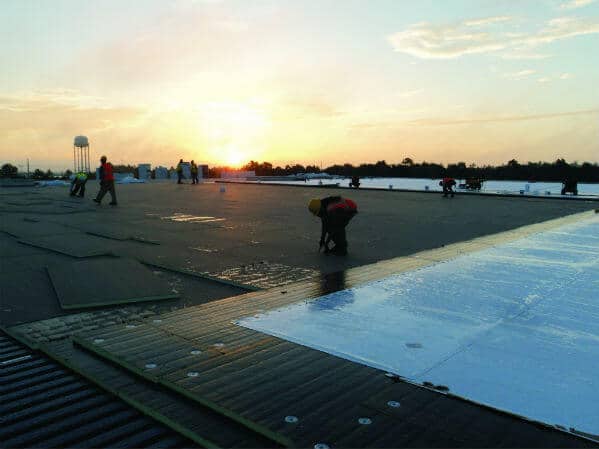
pixel 515 326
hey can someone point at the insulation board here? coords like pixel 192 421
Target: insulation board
pixel 100 282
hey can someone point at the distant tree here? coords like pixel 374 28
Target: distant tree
pixel 49 174
pixel 408 161
pixel 67 174
pixel 122 168
pixel 38 174
pixel 8 171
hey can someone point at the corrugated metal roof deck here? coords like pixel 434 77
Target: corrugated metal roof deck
pixel 44 405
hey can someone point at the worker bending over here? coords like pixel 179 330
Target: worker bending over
pixel 335 213
pixel 106 182
pixel 447 183
pixel 78 184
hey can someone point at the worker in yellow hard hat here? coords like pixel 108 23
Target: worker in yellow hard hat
pixel 78 184
pixel 335 213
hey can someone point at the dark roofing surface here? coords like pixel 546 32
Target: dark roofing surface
pixel 253 224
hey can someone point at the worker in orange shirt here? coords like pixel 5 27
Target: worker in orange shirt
pixel 106 182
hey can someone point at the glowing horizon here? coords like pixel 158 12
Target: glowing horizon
pixel 224 82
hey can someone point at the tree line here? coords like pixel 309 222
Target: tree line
pixel 558 170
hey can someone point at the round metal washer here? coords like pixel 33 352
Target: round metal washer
pixel 195 352
pixel 291 419
pixel 156 321
pixel 218 345
pixel 393 404
pixel 321 446
pixel 98 341
pixel 193 374
pixel 130 326
pixel 151 365
pixel 365 421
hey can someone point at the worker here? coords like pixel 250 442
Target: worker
pixel 447 183
pixel 194 173
pixel 106 182
pixel 335 213
pixel 78 184
pixel 180 171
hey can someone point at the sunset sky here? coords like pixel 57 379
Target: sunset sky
pixel 299 81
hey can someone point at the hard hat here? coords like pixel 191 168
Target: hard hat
pixel 314 206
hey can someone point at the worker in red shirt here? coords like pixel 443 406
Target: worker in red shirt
pixel 106 182
pixel 335 213
pixel 447 183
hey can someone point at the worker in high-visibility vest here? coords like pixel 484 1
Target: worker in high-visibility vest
pixel 78 184
pixel 106 182
pixel 335 213
pixel 194 173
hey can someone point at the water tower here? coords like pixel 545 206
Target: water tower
pixel 81 154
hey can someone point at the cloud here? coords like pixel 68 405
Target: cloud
pixel 513 118
pixel 429 41
pixel 519 55
pixel 487 21
pixel 410 93
pixel 44 99
pixel 557 29
pixel 575 4
pixel 565 76
pixel 519 75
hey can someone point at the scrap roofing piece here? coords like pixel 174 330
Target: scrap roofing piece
pixel 115 231
pixel 98 282
pixel 76 244
pixel 28 228
pixel 45 405
pixel 514 326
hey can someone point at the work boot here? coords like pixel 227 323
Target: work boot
pixel 96 200
pixel 113 203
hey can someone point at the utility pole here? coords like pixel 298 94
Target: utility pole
pixel 28 167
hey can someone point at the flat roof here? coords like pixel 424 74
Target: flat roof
pixel 231 243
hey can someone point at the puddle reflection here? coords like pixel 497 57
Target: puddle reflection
pixel 187 218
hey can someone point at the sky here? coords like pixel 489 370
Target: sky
pixel 299 81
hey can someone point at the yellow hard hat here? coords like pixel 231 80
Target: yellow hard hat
pixel 314 206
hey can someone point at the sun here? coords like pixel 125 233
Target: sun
pixel 233 131
pixel 234 158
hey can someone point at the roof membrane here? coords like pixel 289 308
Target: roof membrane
pixel 515 326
